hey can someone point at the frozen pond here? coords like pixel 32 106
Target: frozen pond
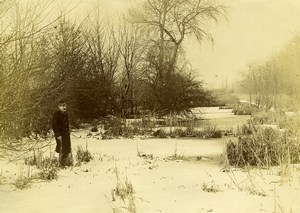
pixel 212 112
pixel 221 118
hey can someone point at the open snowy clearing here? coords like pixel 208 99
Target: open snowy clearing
pixel 167 175
pixel 161 184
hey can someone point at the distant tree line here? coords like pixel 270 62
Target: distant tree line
pixel 275 83
pixel 98 68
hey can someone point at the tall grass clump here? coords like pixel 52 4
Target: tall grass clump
pixel 83 156
pixel 210 187
pixel 176 155
pixel 265 146
pixel 36 159
pixel 23 181
pixel 208 131
pixel 49 169
pixel 124 190
pixel 48 166
pixel 269 117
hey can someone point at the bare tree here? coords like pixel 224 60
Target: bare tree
pixel 102 64
pixel 132 50
pixel 18 67
pixel 173 21
pixel 21 25
pixel 275 82
pixel 168 23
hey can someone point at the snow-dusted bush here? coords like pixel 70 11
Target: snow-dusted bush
pixel 264 146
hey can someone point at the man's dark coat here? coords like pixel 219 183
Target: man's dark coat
pixel 60 126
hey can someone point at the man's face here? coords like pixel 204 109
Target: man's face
pixel 62 107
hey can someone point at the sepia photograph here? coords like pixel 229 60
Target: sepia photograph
pixel 149 106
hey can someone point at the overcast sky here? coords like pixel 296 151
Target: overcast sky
pixel 255 30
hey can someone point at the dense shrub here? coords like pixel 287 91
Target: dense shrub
pixel 211 132
pixel 245 129
pixel 243 109
pixel 160 133
pixel 113 126
pixel 94 129
pixel 178 133
pixel 117 127
pixel 264 146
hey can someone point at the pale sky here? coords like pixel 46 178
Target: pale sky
pixel 254 31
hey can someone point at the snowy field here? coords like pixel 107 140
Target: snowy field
pixel 172 175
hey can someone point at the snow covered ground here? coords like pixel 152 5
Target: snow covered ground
pixel 169 175
pixel 161 184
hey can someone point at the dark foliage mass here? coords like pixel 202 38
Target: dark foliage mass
pixel 97 68
pixel 262 144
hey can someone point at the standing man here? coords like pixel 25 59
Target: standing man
pixel 60 126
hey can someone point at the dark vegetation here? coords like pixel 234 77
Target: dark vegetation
pixel 135 69
pixel 169 126
pixel 268 139
pixel 271 136
pixel 223 98
pixel 47 167
pixel 244 109
pixel 99 68
pixel 83 156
